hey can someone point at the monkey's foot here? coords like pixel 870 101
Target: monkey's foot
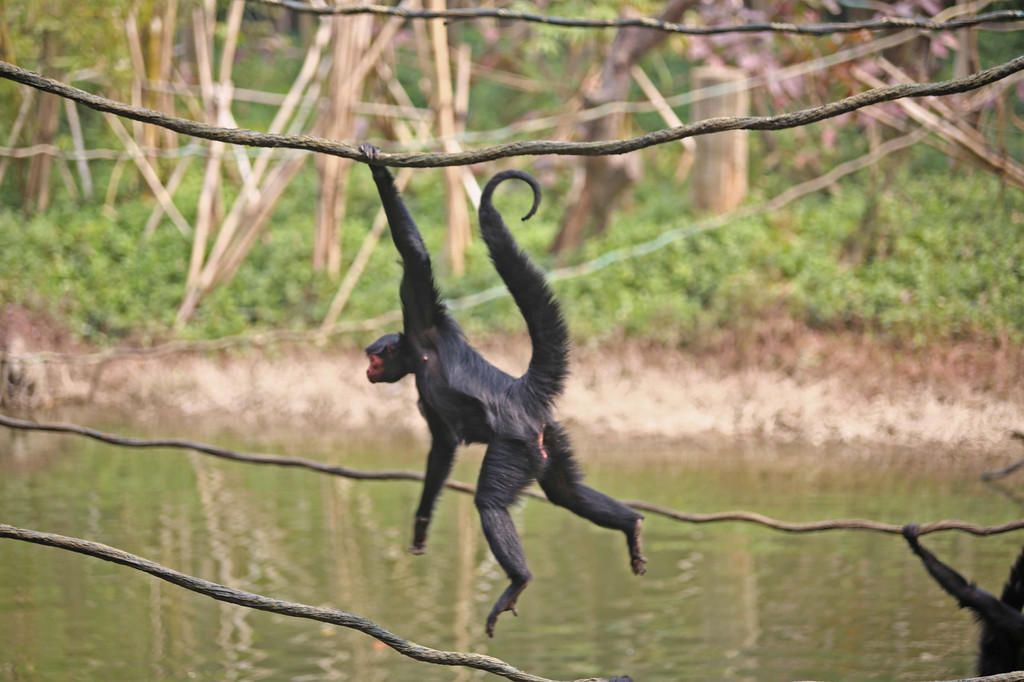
pixel 419 535
pixel 506 602
pixel 371 152
pixel 636 555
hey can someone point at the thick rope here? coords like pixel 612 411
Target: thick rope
pixel 321 613
pixel 819 29
pixel 284 608
pixel 224 453
pixel 526 148
pixel 318 613
pixel 345 472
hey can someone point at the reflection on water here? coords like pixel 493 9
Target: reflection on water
pixel 719 601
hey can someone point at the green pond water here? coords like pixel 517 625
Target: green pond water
pixel 724 601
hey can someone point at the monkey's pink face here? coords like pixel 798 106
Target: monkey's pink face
pixel 377 370
pixel 386 360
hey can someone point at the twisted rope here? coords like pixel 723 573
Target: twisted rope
pixel 318 613
pixel 345 472
pixel 261 603
pixel 818 29
pixel 525 148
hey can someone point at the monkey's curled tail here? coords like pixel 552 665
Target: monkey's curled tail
pixel 545 378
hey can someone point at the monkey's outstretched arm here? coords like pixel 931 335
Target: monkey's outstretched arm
pixel 966 594
pixel 421 301
pixel 439 465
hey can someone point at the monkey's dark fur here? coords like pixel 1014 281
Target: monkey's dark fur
pixel 465 399
pixel 1001 645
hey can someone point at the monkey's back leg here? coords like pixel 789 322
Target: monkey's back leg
pixel 562 482
pixel 505 472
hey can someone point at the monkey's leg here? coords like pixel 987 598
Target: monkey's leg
pixel 503 475
pixel 562 483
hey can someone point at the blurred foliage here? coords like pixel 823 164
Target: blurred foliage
pixel 38 34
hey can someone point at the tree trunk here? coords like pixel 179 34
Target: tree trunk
pixel 37 186
pixel 218 106
pixel 351 38
pixel 603 178
pixel 458 214
pixel 165 101
pixel 37 190
pixel 720 170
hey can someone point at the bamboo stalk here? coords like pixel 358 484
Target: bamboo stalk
pixel 460 108
pixel 402 131
pixel 668 115
pixel 952 132
pixel 463 72
pixel 165 102
pixel 259 215
pixel 112 185
pixel 154 37
pixel 208 198
pixel 38 185
pixel 352 62
pixel 214 270
pixel 191 94
pixel 458 215
pixel 211 176
pixel 149 175
pixel 423 124
pixel 314 57
pixel 720 179
pixel 19 123
pixel 327 253
pixel 203 40
pixel 75 124
pixel 329 169
pixel 172 187
pixel 421 42
pixel 131 27
pixel 68 178
pixel 226 86
pixel 359 263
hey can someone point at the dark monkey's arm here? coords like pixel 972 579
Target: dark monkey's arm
pixel 966 594
pixel 422 307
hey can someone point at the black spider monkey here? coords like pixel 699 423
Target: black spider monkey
pixel 1001 645
pixel 465 399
